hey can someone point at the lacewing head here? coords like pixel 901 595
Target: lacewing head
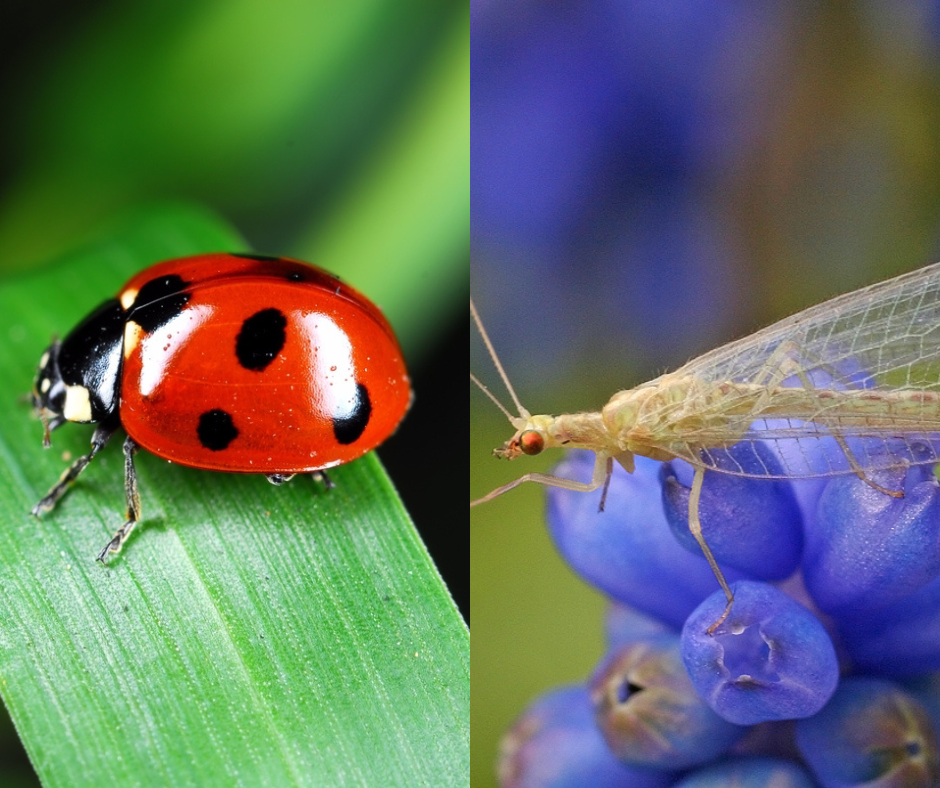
pixel 531 438
pixel 533 433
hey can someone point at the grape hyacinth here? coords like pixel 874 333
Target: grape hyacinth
pixel 826 672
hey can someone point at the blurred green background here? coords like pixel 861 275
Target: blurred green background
pixel 332 132
pixel 651 180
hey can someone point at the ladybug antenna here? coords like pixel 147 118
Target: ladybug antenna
pixel 499 368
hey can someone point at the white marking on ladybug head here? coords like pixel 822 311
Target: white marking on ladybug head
pixel 127 298
pixel 132 334
pixel 77 405
pixel 45 385
pixel 44 360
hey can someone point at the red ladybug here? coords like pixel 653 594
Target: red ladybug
pixel 228 362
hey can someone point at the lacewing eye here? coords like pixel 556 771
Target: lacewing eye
pixel 531 442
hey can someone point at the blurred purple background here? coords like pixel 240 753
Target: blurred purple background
pixel 650 180
pixel 675 175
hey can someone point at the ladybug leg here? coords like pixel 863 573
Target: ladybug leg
pixel 317 476
pixel 99 440
pixel 131 496
pixel 320 476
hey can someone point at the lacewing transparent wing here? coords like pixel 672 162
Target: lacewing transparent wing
pixel 849 386
pixel 863 367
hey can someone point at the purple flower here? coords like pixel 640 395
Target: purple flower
pixel 775 657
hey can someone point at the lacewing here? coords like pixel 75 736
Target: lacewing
pixel 861 370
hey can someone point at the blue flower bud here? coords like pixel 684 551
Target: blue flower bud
pixel 752 772
pixel 650 714
pixel 556 744
pixel 628 550
pixel 770 660
pixel 754 525
pixel 865 549
pixel 900 640
pixel 624 625
pixel 872 733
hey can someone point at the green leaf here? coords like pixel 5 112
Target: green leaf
pixel 247 635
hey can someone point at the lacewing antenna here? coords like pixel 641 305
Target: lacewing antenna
pixel 492 397
pixel 523 413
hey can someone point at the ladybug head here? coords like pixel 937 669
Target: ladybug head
pixel 79 378
pixel 48 393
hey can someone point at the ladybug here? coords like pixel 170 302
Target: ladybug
pixel 227 362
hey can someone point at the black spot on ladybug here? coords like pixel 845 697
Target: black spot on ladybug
pixel 261 258
pixel 348 427
pixel 216 430
pixel 295 276
pixel 158 302
pixel 260 339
